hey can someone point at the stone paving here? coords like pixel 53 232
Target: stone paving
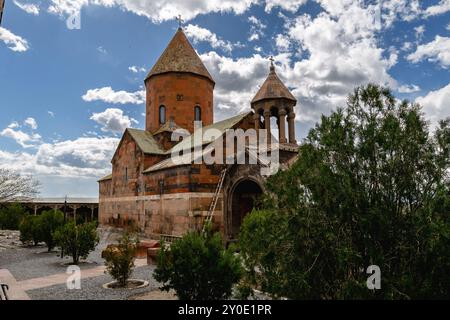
pixel 34 273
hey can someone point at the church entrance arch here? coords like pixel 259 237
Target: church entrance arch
pixel 243 197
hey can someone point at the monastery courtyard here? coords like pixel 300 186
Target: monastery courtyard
pixel 33 273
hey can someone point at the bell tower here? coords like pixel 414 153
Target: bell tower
pixel 275 100
pixel 179 88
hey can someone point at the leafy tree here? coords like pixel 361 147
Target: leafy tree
pixel 370 187
pixel 48 222
pixel 76 240
pixel 119 259
pixel 30 230
pixel 11 215
pixel 198 267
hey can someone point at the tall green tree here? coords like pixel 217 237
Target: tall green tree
pixel 11 215
pixel 48 222
pixel 77 241
pixel 370 187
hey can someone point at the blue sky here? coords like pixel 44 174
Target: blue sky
pixel 66 95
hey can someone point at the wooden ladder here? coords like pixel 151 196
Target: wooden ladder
pixel 212 206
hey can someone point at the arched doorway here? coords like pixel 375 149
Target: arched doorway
pixel 244 195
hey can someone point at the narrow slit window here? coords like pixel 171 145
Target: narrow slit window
pixel 162 115
pixel 197 113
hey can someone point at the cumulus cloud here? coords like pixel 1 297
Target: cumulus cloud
pixel 343 52
pixel 442 7
pixel 31 122
pixel 163 10
pixel 291 5
pixel 113 120
pixel 78 158
pixel 436 104
pixel 25 140
pixel 257 28
pixel 408 88
pixel 30 8
pixel 107 94
pixel 437 50
pixel 157 10
pixel 282 42
pixel 14 42
pixel 199 34
pixel 136 69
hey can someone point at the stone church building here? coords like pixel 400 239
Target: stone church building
pixel 161 197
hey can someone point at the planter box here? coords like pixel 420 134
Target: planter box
pixel 152 254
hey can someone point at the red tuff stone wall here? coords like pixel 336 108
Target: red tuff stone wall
pixel 179 93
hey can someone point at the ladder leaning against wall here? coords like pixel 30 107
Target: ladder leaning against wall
pixel 212 206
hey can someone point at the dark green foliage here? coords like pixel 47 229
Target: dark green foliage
pixel 77 240
pixel 11 215
pixel 370 187
pixel 30 230
pixel 119 259
pixel 198 267
pixel 49 221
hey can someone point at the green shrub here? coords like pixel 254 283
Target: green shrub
pixel 77 240
pixel 11 215
pixel 49 221
pixel 198 267
pixel 119 259
pixel 30 230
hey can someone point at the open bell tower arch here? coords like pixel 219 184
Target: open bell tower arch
pixel 275 100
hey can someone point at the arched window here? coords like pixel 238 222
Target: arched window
pixel 162 114
pixel 197 113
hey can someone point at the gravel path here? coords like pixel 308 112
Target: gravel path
pixel 91 289
pixel 26 263
pixel 34 262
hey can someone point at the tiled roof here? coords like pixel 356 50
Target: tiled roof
pixel 273 88
pixel 146 142
pixel 108 177
pixel 180 56
pixel 222 126
pixel 188 143
pixel 169 126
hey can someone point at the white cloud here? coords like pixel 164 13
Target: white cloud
pixel 113 120
pixel 437 50
pixel 15 43
pixel 442 7
pixel 102 50
pixel 199 34
pixel 158 10
pixel 163 10
pixel 256 28
pixel 408 88
pixel 282 42
pixel 107 94
pixel 31 122
pixel 14 125
pixel 86 157
pixel 448 27
pixel 24 139
pixel 136 69
pixel 420 30
pixel 343 53
pixel 28 7
pixel 288 5
pixel 436 104
pixel 51 114
pixel 237 81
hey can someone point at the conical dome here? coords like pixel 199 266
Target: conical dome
pixel 273 88
pixel 180 56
